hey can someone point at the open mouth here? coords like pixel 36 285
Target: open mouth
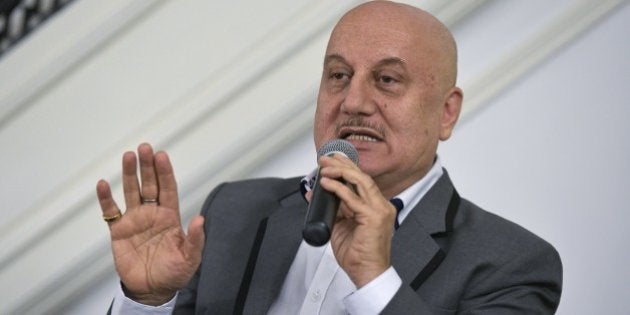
pixel 359 134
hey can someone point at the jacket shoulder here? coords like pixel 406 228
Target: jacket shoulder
pixel 481 228
pixel 259 193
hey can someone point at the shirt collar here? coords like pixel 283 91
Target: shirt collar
pixel 414 193
pixel 410 196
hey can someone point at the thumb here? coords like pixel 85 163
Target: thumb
pixel 195 239
pixel 309 196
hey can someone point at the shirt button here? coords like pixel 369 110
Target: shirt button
pixel 316 296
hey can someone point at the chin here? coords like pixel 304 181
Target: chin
pixel 368 167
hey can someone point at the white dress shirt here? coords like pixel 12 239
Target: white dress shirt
pixel 316 279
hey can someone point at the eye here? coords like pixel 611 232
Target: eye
pixel 339 76
pixel 387 79
pixel 338 79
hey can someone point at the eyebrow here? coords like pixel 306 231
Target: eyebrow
pixel 392 61
pixel 334 57
pixel 380 63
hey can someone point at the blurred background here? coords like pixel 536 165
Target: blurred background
pixel 228 88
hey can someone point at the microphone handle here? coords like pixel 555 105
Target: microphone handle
pixel 320 216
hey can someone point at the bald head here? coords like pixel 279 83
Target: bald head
pixel 376 22
pixel 388 87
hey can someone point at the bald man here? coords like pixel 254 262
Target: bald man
pixel 388 87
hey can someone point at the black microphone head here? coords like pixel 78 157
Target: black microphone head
pixel 339 146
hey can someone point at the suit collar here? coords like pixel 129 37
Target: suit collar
pixel 431 214
pixel 415 254
pixel 278 248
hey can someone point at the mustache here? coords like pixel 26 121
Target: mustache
pixel 359 122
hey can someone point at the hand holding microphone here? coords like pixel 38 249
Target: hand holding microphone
pixel 363 230
pixel 323 207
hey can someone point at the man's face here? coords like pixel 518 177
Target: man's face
pixel 380 90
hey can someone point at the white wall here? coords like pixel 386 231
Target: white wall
pixel 543 142
pixel 552 153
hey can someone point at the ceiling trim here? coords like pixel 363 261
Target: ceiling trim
pixel 51 223
pixel 36 63
pixel 561 31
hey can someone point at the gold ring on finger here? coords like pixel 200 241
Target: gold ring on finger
pixel 112 218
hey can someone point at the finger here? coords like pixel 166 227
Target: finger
pixel 166 181
pixel 351 175
pixel 342 191
pixel 338 163
pixel 105 200
pixel 343 168
pixel 149 188
pixel 342 158
pixel 131 188
pixel 195 239
pixel 344 212
pixel 336 159
pixel 375 212
pixel 358 191
pixel 308 195
pixel 334 170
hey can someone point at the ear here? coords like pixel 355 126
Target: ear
pixel 450 112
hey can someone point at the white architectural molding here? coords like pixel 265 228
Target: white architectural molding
pixel 450 12
pixel 60 245
pixel 61 226
pixel 36 63
pixel 575 20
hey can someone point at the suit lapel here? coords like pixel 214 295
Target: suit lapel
pixel 279 245
pixel 415 254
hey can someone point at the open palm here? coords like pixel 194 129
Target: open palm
pixel 153 256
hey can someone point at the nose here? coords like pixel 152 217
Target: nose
pixel 358 99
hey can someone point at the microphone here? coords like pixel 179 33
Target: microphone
pixel 322 210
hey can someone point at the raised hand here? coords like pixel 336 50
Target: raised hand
pixel 153 256
pixel 362 234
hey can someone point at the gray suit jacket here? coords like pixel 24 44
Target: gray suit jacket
pixel 453 257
